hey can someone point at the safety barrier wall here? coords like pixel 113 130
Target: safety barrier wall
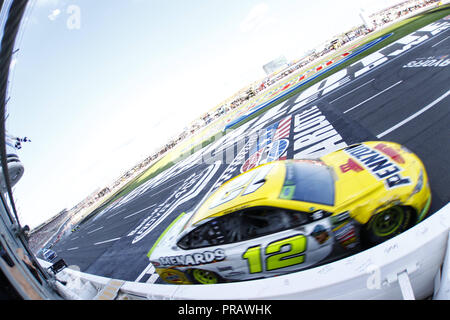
pixel 442 280
pixel 407 266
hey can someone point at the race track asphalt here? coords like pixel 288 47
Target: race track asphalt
pixel 404 100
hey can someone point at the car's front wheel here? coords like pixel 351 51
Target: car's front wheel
pixel 387 224
pixel 204 276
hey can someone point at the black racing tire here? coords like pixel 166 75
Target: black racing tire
pixel 200 276
pixel 386 224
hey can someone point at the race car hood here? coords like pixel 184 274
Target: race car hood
pixel 243 191
pixel 372 170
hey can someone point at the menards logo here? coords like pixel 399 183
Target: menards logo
pixel 380 165
pixel 194 259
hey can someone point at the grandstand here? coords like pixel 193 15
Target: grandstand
pixel 41 235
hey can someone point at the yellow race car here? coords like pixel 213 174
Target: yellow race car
pixel 289 215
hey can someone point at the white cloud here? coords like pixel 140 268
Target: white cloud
pixel 257 18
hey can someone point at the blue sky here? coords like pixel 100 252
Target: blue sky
pixel 97 98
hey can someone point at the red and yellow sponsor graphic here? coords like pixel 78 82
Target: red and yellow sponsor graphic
pixel 351 165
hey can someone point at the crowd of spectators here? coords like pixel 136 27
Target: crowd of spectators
pixel 40 235
pixel 397 11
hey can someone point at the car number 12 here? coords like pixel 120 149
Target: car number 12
pixel 275 259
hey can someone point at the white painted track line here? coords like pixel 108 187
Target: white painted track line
pixel 440 41
pixel 149 269
pixel 374 96
pixel 352 91
pixel 152 278
pixel 130 215
pixel 95 230
pixel 112 215
pixel 106 241
pixel 398 125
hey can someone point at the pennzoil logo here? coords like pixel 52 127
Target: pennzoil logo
pixel 380 165
pixel 194 259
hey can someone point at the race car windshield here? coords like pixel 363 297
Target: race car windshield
pixel 243 225
pixel 308 181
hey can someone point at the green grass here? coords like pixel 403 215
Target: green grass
pixel 399 30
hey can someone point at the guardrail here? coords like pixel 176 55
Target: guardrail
pixel 405 267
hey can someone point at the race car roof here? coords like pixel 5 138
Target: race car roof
pixel 262 182
pixel 273 184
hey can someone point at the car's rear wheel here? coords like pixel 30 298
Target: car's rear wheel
pixel 387 224
pixel 204 276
